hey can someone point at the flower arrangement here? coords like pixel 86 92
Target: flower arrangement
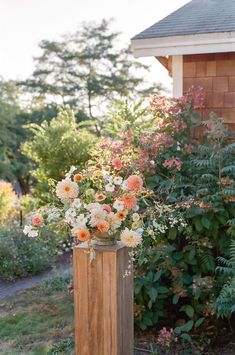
pixel 98 206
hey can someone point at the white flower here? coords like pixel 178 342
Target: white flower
pixel 109 187
pixel 96 214
pixel 28 230
pixel 136 217
pixel 107 177
pixel 118 180
pixel 67 189
pixel 70 172
pixel 124 185
pixel 92 206
pixel 81 220
pixel 130 238
pixel 118 205
pixel 53 214
pixel 70 215
pixel 76 203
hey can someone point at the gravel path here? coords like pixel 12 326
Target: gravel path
pixel 9 289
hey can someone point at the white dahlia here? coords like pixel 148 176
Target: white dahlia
pixel 130 238
pixel 67 189
pixel 118 205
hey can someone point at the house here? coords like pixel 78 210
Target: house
pixel 196 44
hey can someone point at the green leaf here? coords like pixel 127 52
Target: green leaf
pixel 175 299
pixel 199 322
pixel 198 224
pixel 153 293
pixel 157 276
pixel 196 115
pixel 149 276
pixel 184 328
pixel 162 289
pixel 192 254
pixel 186 337
pixel 188 310
pixel 206 222
pixel 172 233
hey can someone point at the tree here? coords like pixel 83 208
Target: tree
pixel 9 108
pixel 85 70
pixel 54 147
pixel 14 166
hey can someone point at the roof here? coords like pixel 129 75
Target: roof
pixel 196 17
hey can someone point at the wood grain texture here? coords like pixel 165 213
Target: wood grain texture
pixel 103 301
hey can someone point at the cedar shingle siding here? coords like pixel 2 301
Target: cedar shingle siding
pixel 216 74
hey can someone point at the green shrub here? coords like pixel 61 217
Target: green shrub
pixel 193 181
pixel 54 147
pixel 21 256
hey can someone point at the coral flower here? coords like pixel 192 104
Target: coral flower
pixel 107 208
pixel 37 220
pixel 116 163
pixel 78 177
pixel 100 197
pixel 122 215
pixel 82 234
pixel 103 226
pixel 130 202
pixel 134 183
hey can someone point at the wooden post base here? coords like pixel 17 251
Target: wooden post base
pixel 103 301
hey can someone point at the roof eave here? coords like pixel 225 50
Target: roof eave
pixel 187 44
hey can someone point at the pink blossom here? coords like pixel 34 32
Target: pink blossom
pixel 165 337
pixel 117 163
pixel 37 220
pixel 173 163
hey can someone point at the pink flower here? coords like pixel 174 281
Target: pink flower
pixel 134 183
pixel 107 208
pixel 173 163
pixel 165 337
pixel 117 163
pixel 37 220
pixel 179 125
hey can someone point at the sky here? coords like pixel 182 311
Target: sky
pixel 24 23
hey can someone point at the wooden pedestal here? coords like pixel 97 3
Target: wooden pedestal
pixel 103 301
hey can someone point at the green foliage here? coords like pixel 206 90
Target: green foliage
pixel 124 116
pixel 14 166
pixel 194 181
pixel 21 256
pixel 55 147
pixel 9 108
pixel 225 303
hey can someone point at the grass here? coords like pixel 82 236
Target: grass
pixel 38 321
